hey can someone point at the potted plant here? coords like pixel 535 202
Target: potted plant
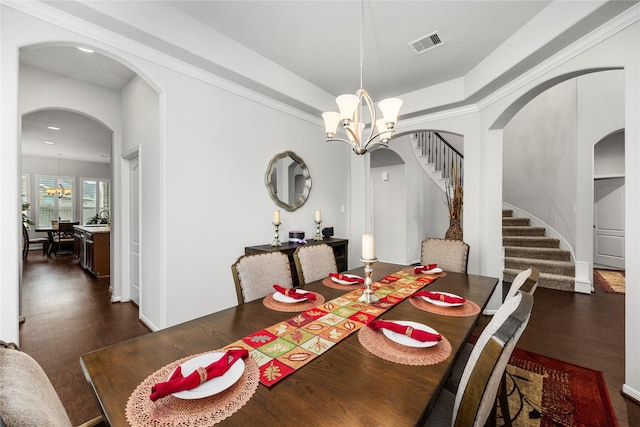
pixel 454 195
pixel 25 218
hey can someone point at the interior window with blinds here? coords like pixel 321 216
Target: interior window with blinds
pixel 96 198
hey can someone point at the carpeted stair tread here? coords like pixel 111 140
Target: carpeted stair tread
pixel 563 268
pixel 512 221
pixel 522 231
pixel 531 241
pixel 547 280
pixel 507 212
pixel 554 254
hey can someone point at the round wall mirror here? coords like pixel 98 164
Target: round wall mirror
pixel 288 180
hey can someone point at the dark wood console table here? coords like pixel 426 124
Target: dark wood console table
pixel 340 250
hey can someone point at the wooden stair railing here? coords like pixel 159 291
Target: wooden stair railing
pixel 440 154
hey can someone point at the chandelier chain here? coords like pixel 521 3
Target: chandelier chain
pixel 361 43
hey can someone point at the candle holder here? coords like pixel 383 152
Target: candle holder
pixel 317 236
pixel 368 295
pixel 276 237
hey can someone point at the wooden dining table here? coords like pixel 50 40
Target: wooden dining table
pixel 346 386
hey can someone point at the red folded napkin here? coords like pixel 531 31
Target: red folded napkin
pixel 437 296
pixel 293 293
pixel 409 331
pixel 422 268
pixel 177 382
pixel 345 278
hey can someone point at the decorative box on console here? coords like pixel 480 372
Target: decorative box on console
pixel 296 236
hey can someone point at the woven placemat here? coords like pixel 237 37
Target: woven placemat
pixel 331 284
pixel 172 411
pixel 469 308
pixel 409 270
pixel 383 347
pixel 293 307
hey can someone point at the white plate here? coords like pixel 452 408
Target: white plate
pixel 442 303
pixel 408 341
pixel 214 385
pixel 432 271
pixel 283 298
pixel 344 282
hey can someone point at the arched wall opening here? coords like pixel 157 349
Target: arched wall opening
pixel 548 157
pixel 105 87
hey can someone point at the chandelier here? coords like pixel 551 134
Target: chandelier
pixel 59 190
pixel 359 136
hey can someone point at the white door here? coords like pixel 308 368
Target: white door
pixel 609 222
pixel 134 227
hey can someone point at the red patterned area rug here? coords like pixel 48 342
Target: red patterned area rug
pixel 611 281
pixel 548 392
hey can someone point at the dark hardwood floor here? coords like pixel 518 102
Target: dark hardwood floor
pixel 68 313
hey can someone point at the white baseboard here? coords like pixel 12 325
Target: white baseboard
pixel 632 393
pixel 584 274
pixel 149 324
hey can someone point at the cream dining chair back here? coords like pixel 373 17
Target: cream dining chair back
pixel 475 398
pixel 255 275
pixel 450 255
pixel 27 397
pixel 525 281
pixel 314 262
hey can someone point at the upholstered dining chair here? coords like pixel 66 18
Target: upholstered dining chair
pixel 474 401
pixel 255 275
pixel 525 281
pixel 27 241
pixel 27 397
pixel 314 262
pixel 450 255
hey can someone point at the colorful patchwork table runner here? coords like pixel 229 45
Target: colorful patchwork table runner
pixel 281 349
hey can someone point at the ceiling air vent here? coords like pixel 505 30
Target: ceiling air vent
pixel 425 43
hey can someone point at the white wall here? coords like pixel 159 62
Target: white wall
pixel 141 131
pixel 539 163
pixel 609 156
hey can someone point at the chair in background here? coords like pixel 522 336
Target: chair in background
pixel 314 262
pixel 255 275
pixel 64 236
pixel 27 397
pixel 27 241
pixel 450 255
pixel 474 401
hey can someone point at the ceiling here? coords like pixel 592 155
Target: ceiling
pixel 318 41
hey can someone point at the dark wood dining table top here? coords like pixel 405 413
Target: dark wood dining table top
pixel 346 386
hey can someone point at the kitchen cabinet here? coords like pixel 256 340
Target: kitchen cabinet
pixel 92 247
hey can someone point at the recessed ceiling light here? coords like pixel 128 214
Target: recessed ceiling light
pixel 53 127
pixel 84 49
pixel 49 142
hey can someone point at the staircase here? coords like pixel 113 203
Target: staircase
pixel 526 246
pixel 437 157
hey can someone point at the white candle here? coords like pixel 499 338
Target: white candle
pixel 367 246
pixel 318 216
pixel 276 217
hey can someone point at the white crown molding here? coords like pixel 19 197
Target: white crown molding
pixel 123 46
pixel 615 25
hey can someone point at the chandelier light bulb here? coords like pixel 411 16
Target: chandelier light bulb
pixel 347 105
pixel 331 121
pixel 390 108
